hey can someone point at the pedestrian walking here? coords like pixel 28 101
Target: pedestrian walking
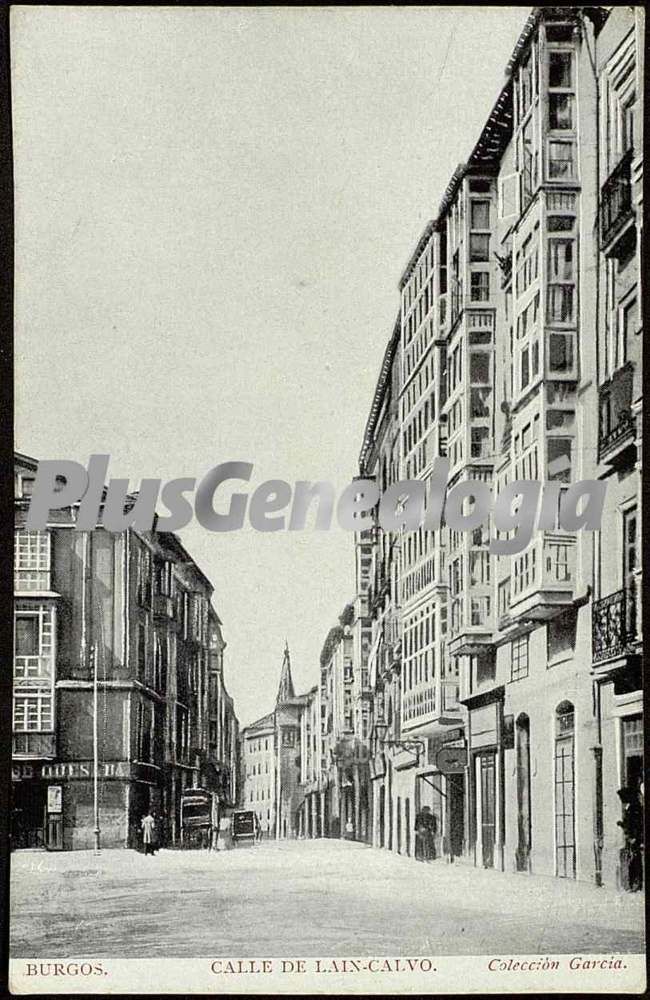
pixel 632 826
pixel 148 825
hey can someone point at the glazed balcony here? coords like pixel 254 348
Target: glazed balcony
pixel 471 624
pixel 36 745
pixel 543 578
pixel 617 425
pixel 616 200
pixel 614 629
pixel 392 629
pixel 434 704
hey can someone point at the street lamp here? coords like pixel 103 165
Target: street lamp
pixel 413 746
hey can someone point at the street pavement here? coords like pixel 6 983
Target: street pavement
pixel 300 899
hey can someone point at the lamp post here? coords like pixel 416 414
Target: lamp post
pixel 93 653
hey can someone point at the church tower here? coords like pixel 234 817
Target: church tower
pixel 288 710
pixel 286 690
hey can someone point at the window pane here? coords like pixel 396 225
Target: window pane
pixel 560 253
pixel 480 218
pixel 560 159
pixel 559 460
pixel 479 367
pixel 560 111
pixel 479 247
pixel 27 636
pixel 560 69
pixel 480 286
pixel 560 304
pixel 561 352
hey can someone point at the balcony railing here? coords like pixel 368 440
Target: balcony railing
pixel 34 745
pixel 616 199
pixel 616 420
pixel 614 624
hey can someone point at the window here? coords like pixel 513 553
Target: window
pixel 560 304
pixel 560 352
pixel 559 459
pixel 560 111
pixel 507 196
pixel 560 69
pixel 480 442
pixel 479 368
pixel 561 259
pixel 479 247
pixel 33 712
pixel 27 638
pixel 519 658
pixel 560 160
pixel 479 286
pixel 480 214
pixel 32 560
pixel 479 402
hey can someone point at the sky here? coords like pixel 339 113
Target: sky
pixel 214 207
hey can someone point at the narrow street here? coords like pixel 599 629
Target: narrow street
pixel 302 898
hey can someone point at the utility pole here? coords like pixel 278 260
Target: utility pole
pixel 93 653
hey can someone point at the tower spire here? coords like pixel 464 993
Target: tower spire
pixel 285 690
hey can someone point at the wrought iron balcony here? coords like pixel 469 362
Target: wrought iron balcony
pixel 617 425
pixel 616 200
pixel 613 625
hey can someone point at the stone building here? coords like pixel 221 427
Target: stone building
pixel 507 689
pixel 271 762
pixel 135 607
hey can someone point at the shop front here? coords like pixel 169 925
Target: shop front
pixel 53 803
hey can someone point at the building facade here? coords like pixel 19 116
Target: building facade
pixel 507 689
pixel 134 609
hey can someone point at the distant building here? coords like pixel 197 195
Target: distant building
pixel 271 766
pixel 258 771
pixel 137 605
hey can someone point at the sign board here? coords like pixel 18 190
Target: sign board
pixel 451 760
pixel 243 824
pixel 54 799
pixel 483 725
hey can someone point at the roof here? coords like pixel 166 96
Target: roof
pixel 266 722
pixel 430 228
pixel 382 382
pixel 286 691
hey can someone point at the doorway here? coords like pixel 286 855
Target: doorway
pixel 488 807
pixel 522 855
pixel 565 847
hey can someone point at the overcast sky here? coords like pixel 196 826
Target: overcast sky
pixel 214 207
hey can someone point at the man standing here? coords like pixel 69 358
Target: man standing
pixel 148 825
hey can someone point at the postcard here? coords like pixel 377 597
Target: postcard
pixel 328 656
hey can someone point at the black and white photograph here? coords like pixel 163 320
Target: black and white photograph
pixel 328 572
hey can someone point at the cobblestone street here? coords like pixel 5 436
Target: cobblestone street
pixel 302 898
